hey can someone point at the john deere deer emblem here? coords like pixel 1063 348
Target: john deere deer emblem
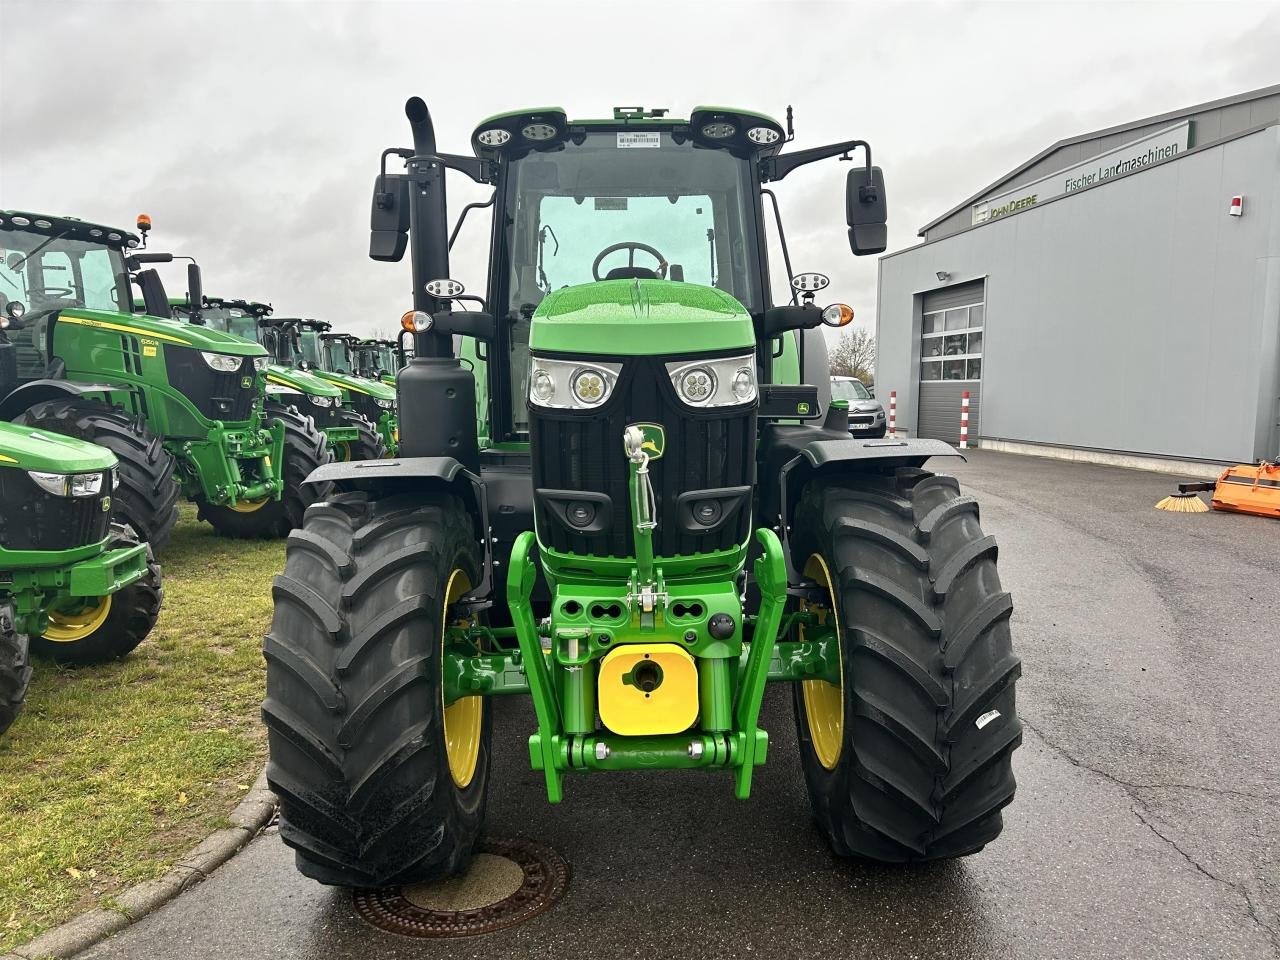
pixel 655 439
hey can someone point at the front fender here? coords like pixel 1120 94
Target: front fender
pixel 38 391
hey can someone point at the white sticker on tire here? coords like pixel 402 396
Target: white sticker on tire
pixel 986 718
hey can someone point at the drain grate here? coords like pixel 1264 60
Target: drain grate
pixel 526 878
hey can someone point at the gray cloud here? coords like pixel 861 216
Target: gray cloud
pixel 251 131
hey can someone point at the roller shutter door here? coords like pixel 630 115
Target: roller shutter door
pixel 951 334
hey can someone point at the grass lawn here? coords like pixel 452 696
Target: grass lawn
pixel 112 773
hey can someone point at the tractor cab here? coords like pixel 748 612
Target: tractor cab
pixel 338 354
pixel 237 317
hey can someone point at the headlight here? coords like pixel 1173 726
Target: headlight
pixel 260 363
pixel 324 401
pixel 68 484
pixel 570 385
pixel 223 363
pixel 384 404
pixel 723 382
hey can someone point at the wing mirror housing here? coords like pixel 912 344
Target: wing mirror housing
pixel 866 211
pixel 389 218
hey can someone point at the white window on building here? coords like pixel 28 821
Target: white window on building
pixel 951 344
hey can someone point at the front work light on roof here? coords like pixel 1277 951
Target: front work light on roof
pixel 719 131
pixel 495 137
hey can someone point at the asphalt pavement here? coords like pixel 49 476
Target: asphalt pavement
pixel 1147 820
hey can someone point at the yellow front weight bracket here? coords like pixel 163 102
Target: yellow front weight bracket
pixel 648 689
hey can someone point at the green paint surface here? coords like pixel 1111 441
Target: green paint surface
pixel 50 452
pixel 640 318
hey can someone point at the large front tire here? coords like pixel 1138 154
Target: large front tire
pixel 369 444
pixel 908 758
pixel 304 451
pixel 105 628
pixel 15 668
pixel 146 494
pixel 378 782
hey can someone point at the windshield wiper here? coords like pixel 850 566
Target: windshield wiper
pixel 17 265
pixel 543 284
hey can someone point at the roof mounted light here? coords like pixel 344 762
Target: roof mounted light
pixel 43 224
pixel 20 221
pixel 537 131
pixel 416 321
pixel 763 135
pixel 718 130
pixel 493 137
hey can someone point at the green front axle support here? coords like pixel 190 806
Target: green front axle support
pixel 555 751
pixel 211 467
pixel 35 590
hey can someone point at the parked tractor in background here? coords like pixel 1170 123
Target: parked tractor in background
pixel 291 391
pixel 376 360
pixel 74 586
pixel 168 398
pixel 620 498
pixel 330 356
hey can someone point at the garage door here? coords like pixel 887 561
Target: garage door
pixel 950 360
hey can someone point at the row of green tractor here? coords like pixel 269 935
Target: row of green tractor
pixel 115 401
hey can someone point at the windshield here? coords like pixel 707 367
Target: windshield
pixel 337 356
pixel 616 205
pixel 310 347
pixel 387 359
pixel 50 273
pixel 232 320
pixel 849 390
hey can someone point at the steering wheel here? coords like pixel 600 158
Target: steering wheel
pixel 633 246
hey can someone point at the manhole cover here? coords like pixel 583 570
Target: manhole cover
pixel 509 882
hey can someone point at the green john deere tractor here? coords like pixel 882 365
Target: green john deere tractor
pixel 81 588
pixel 331 357
pixel 292 391
pixel 377 360
pixel 627 496
pixel 159 394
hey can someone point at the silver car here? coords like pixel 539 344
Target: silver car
pixel 866 416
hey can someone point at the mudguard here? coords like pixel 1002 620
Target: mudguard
pixel 402 468
pixel 38 391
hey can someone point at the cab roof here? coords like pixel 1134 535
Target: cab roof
pixel 71 226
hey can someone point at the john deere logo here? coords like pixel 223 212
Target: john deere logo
pixel 802 408
pixel 246 382
pixel 655 439
pixel 106 504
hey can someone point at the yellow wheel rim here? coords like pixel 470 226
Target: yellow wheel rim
pixel 249 506
pixel 464 717
pixel 76 619
pixel 342 451
pixel 823 701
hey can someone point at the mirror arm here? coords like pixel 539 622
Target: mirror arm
pixel 775 168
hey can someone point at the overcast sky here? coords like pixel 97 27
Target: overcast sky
pixel 251 131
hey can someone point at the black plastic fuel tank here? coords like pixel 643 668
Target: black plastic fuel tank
pixel 437 410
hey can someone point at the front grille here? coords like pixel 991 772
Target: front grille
pixel 217 395
pixel 32 519
pixel 582 450
pixel 324 416
pixel 364 404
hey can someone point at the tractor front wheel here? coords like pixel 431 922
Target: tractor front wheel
pixel 98 629
pixel 15 668
pixel 908 756
pixel 368 446
pixel 146 494
pixel 304 451
pixel 380 782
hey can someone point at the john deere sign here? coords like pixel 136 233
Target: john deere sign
pixel 1152 149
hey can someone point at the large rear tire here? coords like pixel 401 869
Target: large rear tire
pixel 304 451
pixel 146 494
pixel 15 668
pixel 909 757
pixel 106 628
pixel 378 782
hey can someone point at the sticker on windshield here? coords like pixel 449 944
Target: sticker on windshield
pixel 636 139
pixel 611 203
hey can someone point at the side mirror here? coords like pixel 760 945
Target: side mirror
pixel 389 218
pixel 195 290
pixel 872 392
pixel 13 316
pixel 866 211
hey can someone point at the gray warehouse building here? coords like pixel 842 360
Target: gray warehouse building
pixel 1115 296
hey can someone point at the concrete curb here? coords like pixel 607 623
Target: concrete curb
pixel 82 932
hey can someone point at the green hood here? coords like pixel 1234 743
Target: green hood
pixel 28 449
pixel 166 331
pixel 379 391
pixel 300 380
pixel 640 318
